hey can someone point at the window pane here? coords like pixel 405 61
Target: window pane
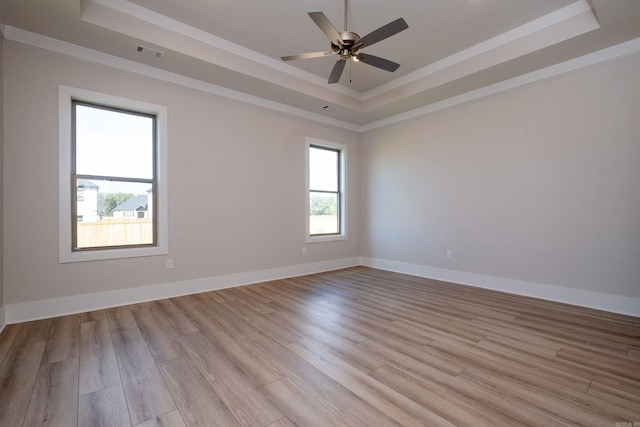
pixel 113 213
pixel 323 213
pixel 113 143
pixel 323 169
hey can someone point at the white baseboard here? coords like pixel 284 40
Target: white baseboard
pixel 42 309
pixel 3 319
pixel 601 301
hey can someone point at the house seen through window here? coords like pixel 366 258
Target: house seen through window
pixel 325 191
pixel 113 176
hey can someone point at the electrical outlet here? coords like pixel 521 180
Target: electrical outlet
pixel 449 254
pixel 169 263
pixel 304 250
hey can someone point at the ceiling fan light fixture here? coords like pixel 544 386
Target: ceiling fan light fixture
pixel 356 58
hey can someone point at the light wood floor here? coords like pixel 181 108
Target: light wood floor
pixel 356 347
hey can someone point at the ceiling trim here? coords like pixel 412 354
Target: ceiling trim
pixel 86 54
pixel 530 29
pixel 141 13
pixel 136 21
pixel 621 50
pixel 566 23
pixel 630 47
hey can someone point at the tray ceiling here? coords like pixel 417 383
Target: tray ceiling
pixel 450 48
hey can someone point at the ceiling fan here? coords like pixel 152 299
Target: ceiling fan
pixel 348 44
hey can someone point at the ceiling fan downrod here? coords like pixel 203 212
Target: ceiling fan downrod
pixel 345 16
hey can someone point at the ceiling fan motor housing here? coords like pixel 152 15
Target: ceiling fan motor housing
pixel 348 40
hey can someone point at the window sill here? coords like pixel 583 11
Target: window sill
pixel 98 255
pixel 320 239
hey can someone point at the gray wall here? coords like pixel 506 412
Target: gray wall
pixel 538 184
pixel 236 183
pixel 1 180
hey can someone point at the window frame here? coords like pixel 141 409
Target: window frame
pixel 342 193
pixel 67 97
pixel 75 176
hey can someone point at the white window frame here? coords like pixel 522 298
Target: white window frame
pixel 66 95
pixel 343 191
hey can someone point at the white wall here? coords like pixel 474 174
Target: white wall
pixel 540 185
pixel 236 183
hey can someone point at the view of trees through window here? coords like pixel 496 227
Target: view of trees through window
pixel 324 191
pixel 107 202
pixel 323 205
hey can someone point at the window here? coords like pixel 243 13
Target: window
pixel 325 191
pixel 112 177
pixel 113 156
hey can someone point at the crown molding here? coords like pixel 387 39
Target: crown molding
pixel 86 54
pixel 136 21
pixel 630 47
pixel 529 30
pixel 564 24
pixel 36 40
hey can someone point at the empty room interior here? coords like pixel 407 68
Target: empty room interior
pixel 321 213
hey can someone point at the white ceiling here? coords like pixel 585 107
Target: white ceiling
pixel 451 47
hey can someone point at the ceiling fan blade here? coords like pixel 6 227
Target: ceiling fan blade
pixel 337 71
pixel 378 62
pixel 327 27
pixel 382 33
pixel 306 55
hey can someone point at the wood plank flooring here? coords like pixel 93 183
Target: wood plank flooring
pixel 354 347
